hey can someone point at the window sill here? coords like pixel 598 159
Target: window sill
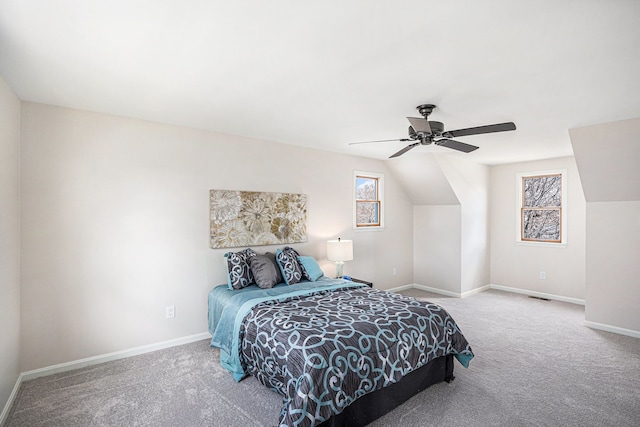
pixel 365 229
pixel 541 244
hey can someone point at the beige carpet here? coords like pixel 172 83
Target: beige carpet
pixel 535 365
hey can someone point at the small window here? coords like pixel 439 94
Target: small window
pixel 368 192
pixel 541 204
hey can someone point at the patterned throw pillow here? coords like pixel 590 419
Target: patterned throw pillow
pixel 288 262
pixel 238 272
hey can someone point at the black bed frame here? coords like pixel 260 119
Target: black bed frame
pixel 374 405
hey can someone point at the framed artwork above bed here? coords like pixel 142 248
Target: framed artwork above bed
pixel 250 218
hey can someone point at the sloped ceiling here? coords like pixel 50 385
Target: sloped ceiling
pixel 423 180
pixel 608 160
pixel 325 73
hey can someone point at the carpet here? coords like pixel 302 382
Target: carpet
pixel 535 365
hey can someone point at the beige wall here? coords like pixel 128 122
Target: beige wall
pixel 9 241
pixel 519 265
pixel 115 226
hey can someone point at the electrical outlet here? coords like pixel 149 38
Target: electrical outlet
pixel 170 311
pixel 395 271
pixel 543 275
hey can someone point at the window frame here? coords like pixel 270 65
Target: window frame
pixel 379 201
pixel 520 208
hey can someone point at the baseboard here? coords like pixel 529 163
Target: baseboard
pixel 475 291
pixel 9 403
pixel 424 288
pixel 614 329
pixel 401 288
pixel 94 360
pixel 439 291
pixel 487 287
pixel 538 294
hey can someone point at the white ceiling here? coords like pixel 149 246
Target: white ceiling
pixel 325 73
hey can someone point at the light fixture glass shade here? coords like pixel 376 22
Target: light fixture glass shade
pixel 339 251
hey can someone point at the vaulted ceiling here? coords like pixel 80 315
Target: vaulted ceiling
pixel 325 73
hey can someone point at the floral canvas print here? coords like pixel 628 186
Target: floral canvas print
pixel 247 218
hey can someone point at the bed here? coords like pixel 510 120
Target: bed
pixel 339 352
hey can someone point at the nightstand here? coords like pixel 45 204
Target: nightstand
pixel 369 284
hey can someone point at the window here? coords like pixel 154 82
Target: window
pixel 541 207
pixel 368 200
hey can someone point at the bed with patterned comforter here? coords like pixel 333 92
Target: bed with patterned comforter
pixel 324 344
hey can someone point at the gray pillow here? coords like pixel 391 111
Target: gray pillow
pixel 272 257
pixel 263 270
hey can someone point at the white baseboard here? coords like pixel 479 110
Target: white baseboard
pixel 424 288
pixel 475 291
pixel 589 324
pixel 401 288
pixel 439 291
pixel 614 329
pixel 94 360
pixel 538 294
pixel 12 397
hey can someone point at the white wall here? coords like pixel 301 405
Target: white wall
pixel 519 265
pixel 115 226
pixel 470 182
pixel 613 265
pixel 607 156
pixel 9 241
pixel 437 247
pixel 451 221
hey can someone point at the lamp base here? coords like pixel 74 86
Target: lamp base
pixel 339 266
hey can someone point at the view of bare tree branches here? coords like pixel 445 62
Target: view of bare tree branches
pixel 541 208
pixel 367 203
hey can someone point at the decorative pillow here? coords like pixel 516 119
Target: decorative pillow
pixel 238 272
pixel 264 271
pixel 310 268
pixel 272 257
pixel 287 259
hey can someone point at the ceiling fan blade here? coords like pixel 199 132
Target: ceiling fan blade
pixel 500 127
pixel 381 140
pixel 460 146
pixel 404 150
pixel 420 125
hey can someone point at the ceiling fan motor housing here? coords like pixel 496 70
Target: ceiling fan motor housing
pixel 436 128
pixel 425 109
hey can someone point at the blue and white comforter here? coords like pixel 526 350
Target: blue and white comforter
pixel 323 345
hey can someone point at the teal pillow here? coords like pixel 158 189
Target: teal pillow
pixel 310 268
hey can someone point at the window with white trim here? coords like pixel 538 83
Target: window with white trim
pixel 542 207
pixel 368 199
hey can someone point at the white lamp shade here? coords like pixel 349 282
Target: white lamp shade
pixel 340 250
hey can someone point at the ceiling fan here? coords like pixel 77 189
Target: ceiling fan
pixel 426 132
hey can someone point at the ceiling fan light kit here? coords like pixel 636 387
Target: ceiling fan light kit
pixel 425 132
